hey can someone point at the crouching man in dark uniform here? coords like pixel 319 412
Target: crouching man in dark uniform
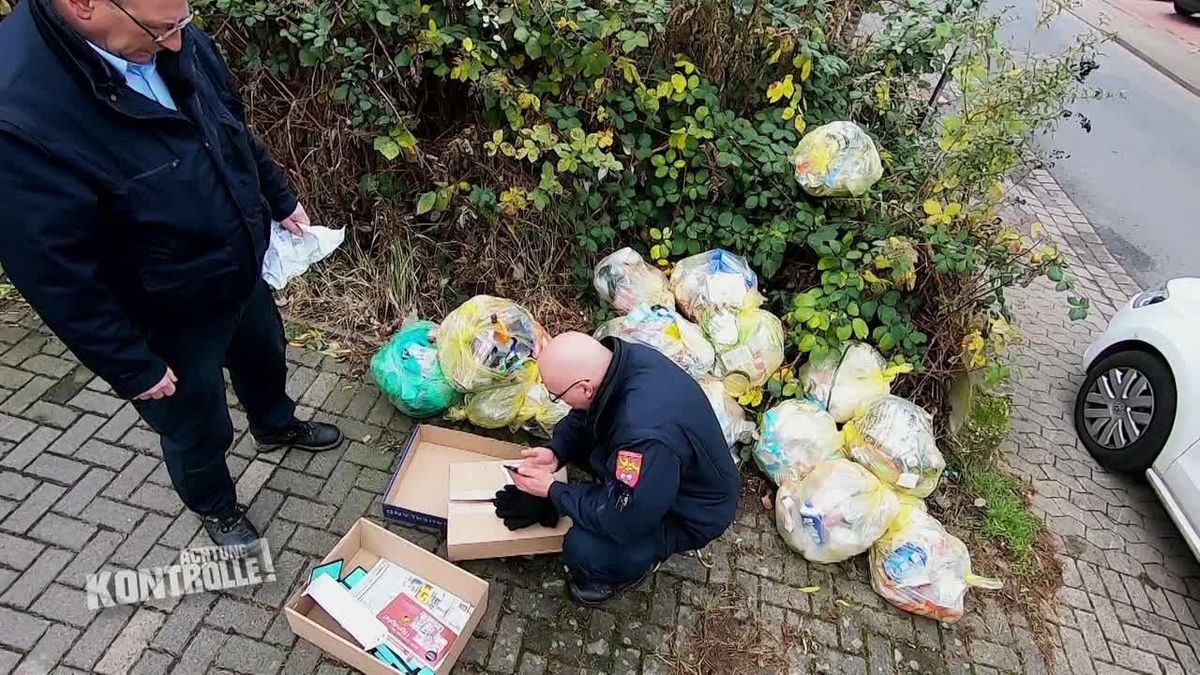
pixel 646 431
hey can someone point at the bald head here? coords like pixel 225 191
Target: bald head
pixel 573 367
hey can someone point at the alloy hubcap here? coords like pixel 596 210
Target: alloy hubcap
pixel 1118 408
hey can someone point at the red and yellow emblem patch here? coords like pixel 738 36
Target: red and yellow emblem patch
pixel 629 467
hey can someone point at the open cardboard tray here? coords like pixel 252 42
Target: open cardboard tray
pixel 363 545
pixel 419 492
pixel 475 532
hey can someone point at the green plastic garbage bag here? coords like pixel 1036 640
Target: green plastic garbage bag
pixel 407 371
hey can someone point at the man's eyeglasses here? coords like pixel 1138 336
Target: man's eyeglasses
pixel 161 37
pixel 555 398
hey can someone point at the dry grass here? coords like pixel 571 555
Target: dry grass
pixel 727 636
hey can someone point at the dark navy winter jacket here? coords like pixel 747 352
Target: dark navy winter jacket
pixel 118 215
pixel 654 443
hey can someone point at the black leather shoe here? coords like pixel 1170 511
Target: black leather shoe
pixel 591 594
pixel 313 436
pixel 233 529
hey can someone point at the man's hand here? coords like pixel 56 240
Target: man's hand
pixel 164 388
pixel 536 482
pixel 293 222
pixel 541 459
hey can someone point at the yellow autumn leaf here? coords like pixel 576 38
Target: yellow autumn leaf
pixel 468 44
pixel 789 87
pixel 952 210
pixel 679 82
pixel 604 139
pixel 806 69
pixel 1037 230
pixel 775 92
pixel 789 112
pixel 801 125
pixel 810 589
pixel 932 207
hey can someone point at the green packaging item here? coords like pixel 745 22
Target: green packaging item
pixel 407 371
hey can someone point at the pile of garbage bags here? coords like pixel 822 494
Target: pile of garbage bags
pixel 478 365
pixel 625 281
pixel 837 159
pixel 407 371
pixel 795 437
pixel 755 354
pixel 730 415
pixel 843 381
pixel 665 330
pixel 919 567
pixel 713 289
pixel 835 512
pixel 894 439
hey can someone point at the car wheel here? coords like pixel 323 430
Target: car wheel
pixel 1125 409
pixel 1179 9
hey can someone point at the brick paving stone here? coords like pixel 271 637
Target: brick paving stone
pixel 14 428
pixel 57 469
pixel 52 414
pixel 104 454
pixel 127 648
pixel 64 604
pixel 49 650
pixel 244 655
pixel 118 424
pixel 152 663
pixel 141 540
pixel 21 630
pixel 13 379
pixel 143 440
pixel 50 366
pixel 239 617
pixel 28 450
pixel 306 512
pixel 111 514
pixel 131 477
pixel 173 636
pixel 67 387
pixel 64 532
pixel 91 559
pixel 76 435
pixel 26 395
pixel 15 486
pixel 95 402
pixel 32 509
pixel 310 541
pixel 200 652
pixel 157 498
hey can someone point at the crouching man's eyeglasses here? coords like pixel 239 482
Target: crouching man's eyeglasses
pixel 555 398
pixel 158 38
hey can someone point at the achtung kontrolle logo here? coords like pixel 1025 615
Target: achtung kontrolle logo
pixel 199 570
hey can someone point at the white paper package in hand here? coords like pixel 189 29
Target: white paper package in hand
pixel 845 380
pixel 796 435
pixel 665 330
pixel 712 288
pixel 751 359
pixel 289 256
pixel 625 281
pixel 836 512
pixel 894 439
pixel 837 159
pixel 729 414
pixel 919 567
pixel 486 341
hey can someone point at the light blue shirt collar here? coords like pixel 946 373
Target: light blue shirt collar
pixel 141 77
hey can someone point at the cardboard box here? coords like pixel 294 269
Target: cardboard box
pixel 363 545
pixel 475 532
pixel 419 492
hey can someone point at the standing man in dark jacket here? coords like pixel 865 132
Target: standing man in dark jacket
pixel 646 431
pixel 135 215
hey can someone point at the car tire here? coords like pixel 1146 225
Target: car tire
pixel 1138 455
pixel 1180 10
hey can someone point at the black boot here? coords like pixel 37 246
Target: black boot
pixel 592 594
pixel 233 529
pixel 314 436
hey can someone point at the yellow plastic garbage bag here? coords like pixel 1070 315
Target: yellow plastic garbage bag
pixel 843 381
pixel 712 288
pixel 730 415
pixel 486 341
pixel 624 280
pixel 837 159
pixel 756 353
pixel 795 437
pixel 894 438
pixel 919 567
pixel 664 329
pixel 522 404
pixel 835 512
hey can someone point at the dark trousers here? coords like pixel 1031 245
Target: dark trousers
pixel 594 557
pixel 194 423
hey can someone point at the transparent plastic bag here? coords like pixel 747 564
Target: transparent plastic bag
pixel 894 439
pixel 835 512
pixel 837 159
pixel 407 371
pixel 919 567
pixel 624 280
pixel 844 381
pixel 756 353
pixel 796 435
pixel 524 404
pixel 729 414
pixel 712 288
pixel 486 341
pixel 665 330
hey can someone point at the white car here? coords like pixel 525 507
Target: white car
pixel 1138 409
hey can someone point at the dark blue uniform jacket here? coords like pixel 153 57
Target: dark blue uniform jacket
pixel 654 443
pixel 117 214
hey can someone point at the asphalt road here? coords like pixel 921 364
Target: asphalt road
pixel 1136 176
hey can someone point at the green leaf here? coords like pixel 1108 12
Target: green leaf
pixel 860 329
pixel 807 342
pixel 1078 313
pixel 308 58
pixel 1054 273
pixel 656 234
pixel 387 147
pixel 521 34
pixel 843 333
pixel 385 18
pixel 403 58
pixel 426 202
pixel 888 315
pixel 534 49
pixel 887 342
pixel 868 309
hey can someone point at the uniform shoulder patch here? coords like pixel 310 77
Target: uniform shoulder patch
pixel 629 467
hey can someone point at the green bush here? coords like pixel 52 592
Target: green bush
pixel 670 125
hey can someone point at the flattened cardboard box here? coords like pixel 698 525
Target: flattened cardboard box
pixel 363 545
pixel 420 494
pixel 475 532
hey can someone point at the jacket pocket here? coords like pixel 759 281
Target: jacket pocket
pixel 158 276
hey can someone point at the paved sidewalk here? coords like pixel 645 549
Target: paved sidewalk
pixel 82 488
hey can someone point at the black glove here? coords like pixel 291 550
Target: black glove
pixel 520 509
